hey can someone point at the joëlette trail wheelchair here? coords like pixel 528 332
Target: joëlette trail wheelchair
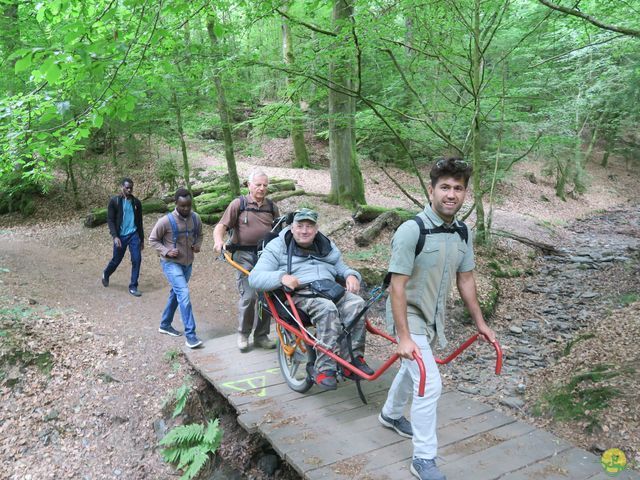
pixel 297 345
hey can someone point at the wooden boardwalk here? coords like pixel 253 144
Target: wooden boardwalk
pixel 332 435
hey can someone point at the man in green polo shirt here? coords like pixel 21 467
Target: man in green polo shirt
pixel 420 283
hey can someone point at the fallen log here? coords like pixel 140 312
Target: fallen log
pixel 219 204
pixel 389 219
pixel 98 216
pixel 368 213
pixel 210 218
pixel 276 197
pixel 545 248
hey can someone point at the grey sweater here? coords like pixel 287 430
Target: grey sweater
pixel 325 263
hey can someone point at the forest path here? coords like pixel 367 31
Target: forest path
pixel 94 417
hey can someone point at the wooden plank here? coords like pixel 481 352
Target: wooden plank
pixel 472 426
pixel 394 459
pixel 572 464
pixel 453 407
pixel 328 450
pixel 363 435
pixel 505 457
pixel 400 451
pixel 624 475
pixel 455 451
pixel 332 435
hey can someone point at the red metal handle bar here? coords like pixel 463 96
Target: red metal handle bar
pixel 300 332
pixel 466 345
pixel 417 358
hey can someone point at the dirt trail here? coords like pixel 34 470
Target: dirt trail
pixel 111 375
pixel 94 417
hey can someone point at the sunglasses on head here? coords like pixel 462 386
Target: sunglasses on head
pixel 456 163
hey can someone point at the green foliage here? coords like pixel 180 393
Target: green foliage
pixel 181 397
pixel 377 251
pixel 627 299
pixel 567 349
pixel 504 271
pixel 171 354
pixel 188 446
pixel 575 402
pixel 167 173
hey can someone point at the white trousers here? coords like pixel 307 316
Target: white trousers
pixel 423 409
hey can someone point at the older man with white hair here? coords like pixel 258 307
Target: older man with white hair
pixel 249 219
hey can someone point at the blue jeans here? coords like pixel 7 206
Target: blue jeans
pixel 178 276
pixel 133 242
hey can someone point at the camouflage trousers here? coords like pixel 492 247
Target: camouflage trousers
pixel 248 318
pixel 328 318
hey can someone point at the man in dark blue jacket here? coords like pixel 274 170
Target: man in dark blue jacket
pixel 124 217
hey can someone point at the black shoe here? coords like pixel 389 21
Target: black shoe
pixel 360 364
pixel 192 342
pixel 327 380
pixel 401 425
pixel 105 280
pixel 135 292
pixel 169 331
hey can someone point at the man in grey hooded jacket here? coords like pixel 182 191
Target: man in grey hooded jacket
pixel 299 256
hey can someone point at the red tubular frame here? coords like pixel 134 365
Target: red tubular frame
pixel 301 333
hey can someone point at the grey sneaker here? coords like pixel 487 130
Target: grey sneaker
pixel 192 342
pixel 105 280
pixel 402 426
pixel 170 331
pixel 135 292
pixel 243 342
pixel 264 342
pixel 426 469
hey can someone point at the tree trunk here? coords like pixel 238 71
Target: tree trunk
pixel 296 118
pixel 10 39
pixel 494 178
pixel 223 111
pixel 610 139
pixel 72 179
pixel 594 134
pixel 476 64
pixel 347 186
pixel 183 144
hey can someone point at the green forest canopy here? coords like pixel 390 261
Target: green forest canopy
pixel 396 81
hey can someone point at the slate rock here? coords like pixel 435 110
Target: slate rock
pixel 512 402
pixel 515 329
pixel 469 390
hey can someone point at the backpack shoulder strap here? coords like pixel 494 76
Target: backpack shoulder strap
pixel 423 235
pixel 464 232
pixel 271 209
pixel 243 204
pixel 174 229
pixel 196 227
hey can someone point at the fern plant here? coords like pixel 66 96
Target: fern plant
pixel 188 446
pixel 182 395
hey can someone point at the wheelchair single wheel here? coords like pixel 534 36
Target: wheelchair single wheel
pixel 293 357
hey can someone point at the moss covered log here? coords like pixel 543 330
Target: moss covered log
pixel 368 213
pixel 98 216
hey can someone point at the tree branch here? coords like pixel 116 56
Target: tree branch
pixel 305 24
pixel 401 188
pixel 594 21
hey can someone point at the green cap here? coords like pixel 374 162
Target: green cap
pixel 306 214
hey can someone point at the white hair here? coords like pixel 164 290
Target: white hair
pixel 256 173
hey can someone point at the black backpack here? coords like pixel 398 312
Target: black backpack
pixel 460 230
pixel 232 247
